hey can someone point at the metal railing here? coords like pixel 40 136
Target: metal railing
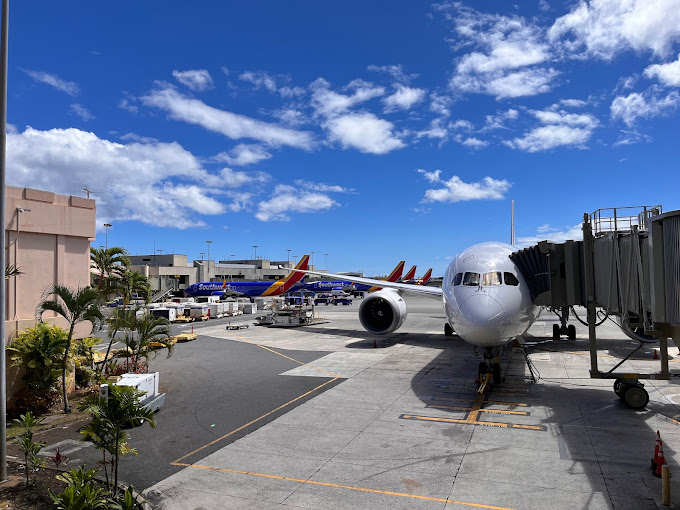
pixel 622 219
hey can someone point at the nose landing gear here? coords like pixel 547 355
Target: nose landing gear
pixel 563 329
pixel 489 370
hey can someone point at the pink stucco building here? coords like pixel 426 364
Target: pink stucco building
pixel 48 237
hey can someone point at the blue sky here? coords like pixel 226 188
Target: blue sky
pixel 371 131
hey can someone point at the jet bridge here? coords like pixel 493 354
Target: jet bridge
pixel 627 266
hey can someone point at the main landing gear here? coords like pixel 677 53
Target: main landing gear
pixel 632 392
pixel 563 329
pixel 448 330
pixel 489 370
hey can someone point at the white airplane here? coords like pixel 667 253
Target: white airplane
pixel 485 297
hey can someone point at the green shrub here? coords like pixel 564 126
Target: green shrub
pixel 34 400
pixel 27 446
pixel 39 351
pixel 85 377
pixel 82 492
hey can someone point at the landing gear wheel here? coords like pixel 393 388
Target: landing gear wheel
pixel 571 332
pixel 556 332
pixel 635 397
pixel 448 330
pixel 497 373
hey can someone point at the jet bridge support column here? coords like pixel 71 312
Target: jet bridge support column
pixel 589 265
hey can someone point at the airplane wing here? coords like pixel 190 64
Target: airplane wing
pixel 406 287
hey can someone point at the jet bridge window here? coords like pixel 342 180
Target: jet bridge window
pixel 493 278
pixel 510 279
pixel 458 278
pixel 471 279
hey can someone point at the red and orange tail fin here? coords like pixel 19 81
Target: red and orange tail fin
pixel 426 277
pixel 396 274
pixel 410 274
pixel 294 277
pixel 224 284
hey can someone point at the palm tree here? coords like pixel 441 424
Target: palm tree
pixel 74 306
pixel 118 321
pixel 12 270
pixel 109 262
pixel 131 283
pixel 153 334
pixel 109 419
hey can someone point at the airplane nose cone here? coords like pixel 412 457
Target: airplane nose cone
pixel 483 320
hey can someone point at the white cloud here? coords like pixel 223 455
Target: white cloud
pixel 498 121
pixel 572 103
pixel 436 130
pixel 560 129
pixel 287 199
pixel 325 188
pixel 288 92
pixel 474 143
pixel 232 125
pixel 455 190
pixel 125 104
pixel 543 5
pixel 137 180
pixel 290 117
pixel 465 125
pixel 364 132
pixel 668 74
pixel 244 154
pixel 643 105
pixel 404 98
pixel 70 87
pixel 81 112
pixel 259 79
pixel 328 103
pixel 548 233
pixel 137 138
pixel 196 79
pixel 604 28
pixel 431 176
pixel 233 179
pixel 440 104
pixel 511 51
pixel 630 137
pixel 396 71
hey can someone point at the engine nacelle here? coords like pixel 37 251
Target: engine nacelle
pixel 383 312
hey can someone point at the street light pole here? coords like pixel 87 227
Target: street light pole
pixel 312 261
pixel 208 243
pixel 256 247
pixel 106 226
pixel 288 257
pixel 201 254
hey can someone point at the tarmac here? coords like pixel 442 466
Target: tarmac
pixel 406 429
pixel 395 422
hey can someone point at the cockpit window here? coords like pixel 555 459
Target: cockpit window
pixel 471 279
pixel 493 278
pixel 510 279
pixel 458 278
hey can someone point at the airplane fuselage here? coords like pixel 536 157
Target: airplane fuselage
pixel 486 299
pixel 246 289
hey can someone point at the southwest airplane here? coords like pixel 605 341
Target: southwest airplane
pixel 410 275
pixel 485 298
pixel 426 278
pixel 251 289
pixel 350 286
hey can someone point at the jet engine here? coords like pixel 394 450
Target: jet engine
pixel 382 312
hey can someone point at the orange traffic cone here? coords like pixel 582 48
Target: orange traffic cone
pixel 375 345
pixel 656 451
pixel 656 355
pixel 659 462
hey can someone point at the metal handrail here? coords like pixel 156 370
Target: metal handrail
pixel 620 219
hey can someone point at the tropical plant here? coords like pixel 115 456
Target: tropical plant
pixel 27 446
pixel 58 458
pixel 12 270
pixel 75 306
pixel 110 417
pixel 130 284
pixel 128 501
pixel 39 351
pixel 152 334
pixel 118 322
pixel 82 492
pixel 110 263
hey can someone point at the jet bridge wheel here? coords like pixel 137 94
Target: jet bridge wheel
pixel 556 331
pixel 448 330
pixel 633 394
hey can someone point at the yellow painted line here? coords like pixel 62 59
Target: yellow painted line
pixel 468 422
pixel 348 487
pixel 498 411
pixel 176 462
pixel 284 356
pixel 493 402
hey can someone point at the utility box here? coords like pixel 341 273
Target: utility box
pixel 148 383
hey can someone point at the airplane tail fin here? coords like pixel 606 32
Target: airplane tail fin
pixel 410 274
pixel 397 272
pixel 294 276
pixel 426 277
